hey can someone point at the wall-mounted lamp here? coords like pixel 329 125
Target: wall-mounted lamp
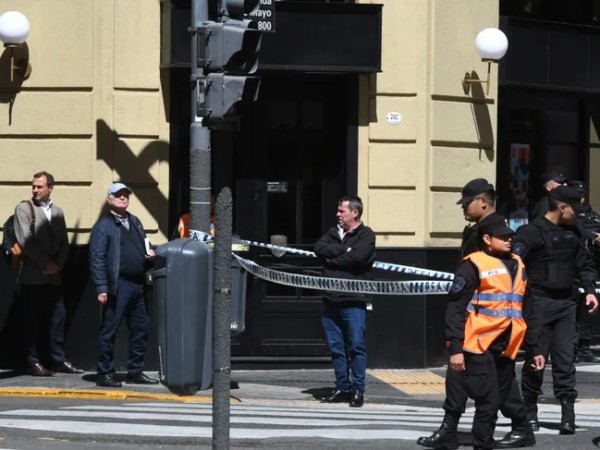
pixel 14 29
pixel 491 44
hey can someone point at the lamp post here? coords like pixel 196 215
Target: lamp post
pixel 491 45
pixel 14 29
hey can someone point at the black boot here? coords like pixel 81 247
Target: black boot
pixel 521 436
pixel 445 437
pixel 567 420
pixel 584 354
pixel 532 417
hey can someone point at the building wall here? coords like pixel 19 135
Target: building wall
pixel 92 111
pixel 411 173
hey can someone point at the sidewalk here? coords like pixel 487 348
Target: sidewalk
pixel 384 386
pixel 419 387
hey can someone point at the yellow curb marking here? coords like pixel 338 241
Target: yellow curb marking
pixel 99 394
pixel 412 381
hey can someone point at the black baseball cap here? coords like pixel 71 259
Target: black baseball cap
pixel 553 176
pixel 567 194
pixel 579 185
pixel 474 188
pixel 495 225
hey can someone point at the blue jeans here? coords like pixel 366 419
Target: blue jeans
pixel 345 324
pixel 129 303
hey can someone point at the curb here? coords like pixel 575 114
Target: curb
pixel 99 394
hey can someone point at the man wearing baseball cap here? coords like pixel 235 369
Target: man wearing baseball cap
pixel 589 220
pixel 118 255
pixel 477 200
pixel 553 252
pixel 550 181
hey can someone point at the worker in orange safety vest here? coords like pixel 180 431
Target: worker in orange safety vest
pixel 485 329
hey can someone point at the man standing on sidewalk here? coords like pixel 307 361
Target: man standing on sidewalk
pixel 41 233
pixel 348 251
pixel 553 252
pixel 118 253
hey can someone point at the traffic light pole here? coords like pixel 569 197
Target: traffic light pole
pixel 200 157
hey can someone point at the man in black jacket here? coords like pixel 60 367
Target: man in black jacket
pixel 348 251
pixel 589 221
pixel 553 252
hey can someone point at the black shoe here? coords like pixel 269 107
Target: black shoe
pixel 445 437
pixel 66 367
pixel 38 370
pixel 585 354
pixel 357 399
pixel 107 380
pixel 517 439
pixel 337 396
pixel 532 417
pixel 567 420
pixel 141 378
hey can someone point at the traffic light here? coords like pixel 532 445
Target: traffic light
pixel 232 47
pixel 223 94
pixel 228 51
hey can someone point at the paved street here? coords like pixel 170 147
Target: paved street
pixel 269 409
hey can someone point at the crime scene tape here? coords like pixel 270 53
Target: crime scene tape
pixel 398 268
pixel 345 285
pixel 342 285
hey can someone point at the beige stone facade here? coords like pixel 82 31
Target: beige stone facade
pixel 92 111
pixel 411 173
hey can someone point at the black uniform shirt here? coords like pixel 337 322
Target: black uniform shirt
pixel 466 281
pixel 529 245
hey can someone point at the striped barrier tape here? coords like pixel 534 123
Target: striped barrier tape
pixel 341 285
pixel 398 268
pixel 345 285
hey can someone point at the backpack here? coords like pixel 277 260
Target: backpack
pixel 10 247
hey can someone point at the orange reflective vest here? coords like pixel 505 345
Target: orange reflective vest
pixel 496 304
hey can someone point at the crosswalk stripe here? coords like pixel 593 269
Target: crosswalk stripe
pixel 250 421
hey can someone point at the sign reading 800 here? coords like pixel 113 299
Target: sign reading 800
pixel 265 16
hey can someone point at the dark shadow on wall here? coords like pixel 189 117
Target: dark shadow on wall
pixel 481 116
pixel 10 88
pixel 134 170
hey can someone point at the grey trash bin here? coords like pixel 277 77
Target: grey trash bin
pixel 183 315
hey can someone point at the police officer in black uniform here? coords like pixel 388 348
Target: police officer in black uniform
pixel 550 181
pixel 554 254
pixel 478 204
pixel 589 220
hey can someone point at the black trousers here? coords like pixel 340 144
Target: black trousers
pixel 44 309
pixel 488 379
pixel 456 398
pixel 558 337
pixel 584 322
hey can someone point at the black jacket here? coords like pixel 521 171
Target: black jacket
pixel 351 258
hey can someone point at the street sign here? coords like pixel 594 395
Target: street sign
pixel 264 16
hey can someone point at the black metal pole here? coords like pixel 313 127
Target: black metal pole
pixel 199 134
pixel 222 320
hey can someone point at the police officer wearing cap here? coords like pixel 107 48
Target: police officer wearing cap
pixel 478 205
pixel 553 252
pixel 550 181
pixel 484 331
pixel 589 221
